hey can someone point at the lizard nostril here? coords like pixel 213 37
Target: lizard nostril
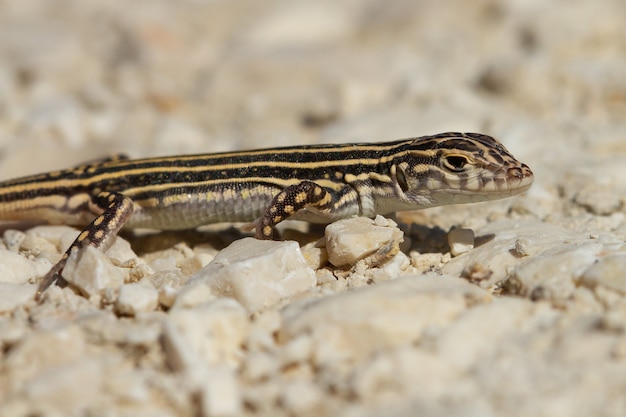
pixel 515 172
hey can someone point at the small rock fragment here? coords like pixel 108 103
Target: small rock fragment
pixel 167 296
pixel 212 333
pixel 43 351
pixel 300 396
pixel 57 235
pixel 92 272
pixel 136 298
pixel 68 389
pixel 120 250
pixel 460 240
pixel 193 295
pixel 256 273
pixel 315 257
pixel 609 272
pixel 522 247
pixel 389 270
pixel 13 239
pixel 220 394
pixel 14 268
pixel 545 276
pixel 15 295
pixel 351 240
pixel 359 323
pixel 599 199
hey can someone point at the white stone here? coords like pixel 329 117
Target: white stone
pixel 599 199
pixel 460 240
pixel 44 351
pixel 315 257
pixel 120 250
pixel 212 333
pixel 296 350
pixel 15 268
pixel 136 298
pixel 499 252
pixel 405 372
pixel 257 273
pixel 609 271
pixel 37 244
pixel 552 274
pixel 167 296
pixel 220 394
pixel 350 240
pixel 68 389
pixel 300 396
pixel 259 366
pixel 15 295
pixel 92 272
pixel 13 239
pixel 59 235
pixel 353 325
pixel 396 266
pixel 476 331
pixel 193 295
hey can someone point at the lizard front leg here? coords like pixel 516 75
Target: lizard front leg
pixel 289 201
pixel 116 210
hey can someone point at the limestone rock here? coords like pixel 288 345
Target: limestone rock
pixel 351 240
pixel 257 273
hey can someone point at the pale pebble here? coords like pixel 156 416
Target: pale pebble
pixel 15 268
pixel 119 249
pixel 167 296
pixel 460 240
pixel 67 389
pixel 136 298
pixel 496 247
pixel 14 295
pixel 257 273
pixel 599 199
pixel 92 272
pixel 358 323
pixel 552 274
pixel 480 329
pixel 13 239
pixel 220 394
pixel 55 234
pixel 211 333
pixel 11 331
pixel 43 351
pixel 296 350
pixel 609 271
pixel 315 257
pixel 300 396
pixel 258 366
pixel 351 240
pixel 193 295
pixel 404 372
pixel 394 268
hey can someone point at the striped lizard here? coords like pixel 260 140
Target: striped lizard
pixel 315 183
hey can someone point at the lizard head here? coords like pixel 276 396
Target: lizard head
pixel 452 168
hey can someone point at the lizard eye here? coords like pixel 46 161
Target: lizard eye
pixel 455 163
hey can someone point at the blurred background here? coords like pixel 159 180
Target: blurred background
pixel 79 80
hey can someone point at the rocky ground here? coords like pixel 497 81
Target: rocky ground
pixel 527 316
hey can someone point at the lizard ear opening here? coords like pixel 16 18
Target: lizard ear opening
pixel 401 178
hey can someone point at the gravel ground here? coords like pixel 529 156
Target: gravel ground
pixel 528 319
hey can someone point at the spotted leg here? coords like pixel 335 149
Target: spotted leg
pixel 288 202
pixel 116 210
